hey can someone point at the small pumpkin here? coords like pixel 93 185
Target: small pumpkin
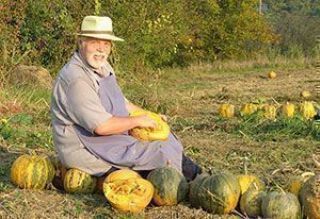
pixel 269 111
pixel 272 75
pixel 121 175
pixel 281 205
pixel 129 195
pixel 296 182
pixel 32 171
pixel 250 201
pixel 305 94
pixel 77 181
pixel 309 196
pixel 171 187
pixel 248 109
pixel 226 110
pixel 288 110
pixel 247 180
pixel 161 132
pixel 218 193
pixel 307 110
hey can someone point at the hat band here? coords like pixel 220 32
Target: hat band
pixel 96 32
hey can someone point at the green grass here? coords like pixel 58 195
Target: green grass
pixel 273 150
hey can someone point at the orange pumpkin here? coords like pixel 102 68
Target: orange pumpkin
pixel 129 195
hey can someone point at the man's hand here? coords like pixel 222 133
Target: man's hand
pixel 145 121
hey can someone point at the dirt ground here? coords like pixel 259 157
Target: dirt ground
pixel 197 96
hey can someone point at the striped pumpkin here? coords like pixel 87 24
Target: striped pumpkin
pixel 32 171
pixel 77 181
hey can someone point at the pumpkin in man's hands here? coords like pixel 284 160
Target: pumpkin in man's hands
pixel 161 132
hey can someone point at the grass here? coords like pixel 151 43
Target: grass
pixel 272 150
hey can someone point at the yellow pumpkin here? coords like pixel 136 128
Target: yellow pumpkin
pixel 307 110
pixel 226 110
pixel 272 75
pixel 246 180
pixel 248 109
pixel 129 195
pixel 288 110
pixel 122 175
pixel 161 132
pixel 269 111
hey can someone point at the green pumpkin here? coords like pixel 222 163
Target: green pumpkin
pixel 281 205
pixel 32 172
pixel 171 187
pixel 195 187
pixel 218 193
pixel 77 181
pixel 310 197
pixel 250 202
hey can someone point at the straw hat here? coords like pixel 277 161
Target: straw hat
pixel 98 27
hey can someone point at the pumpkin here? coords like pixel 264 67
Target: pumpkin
pixel 32 171
pixel 307 110
pixel 310 197
pixel 272 75
pixel 296 182
pixel 161 132
pixel 269 111
pixel 305 94
pixel 246 181
pixel 218 193
pixel 226 110
pixel 77 181
pixel 248 109
pixel 288 110
pixel 281 205
pixel 170 186
pixel 250 201
pixel 121 175
pixel 129 195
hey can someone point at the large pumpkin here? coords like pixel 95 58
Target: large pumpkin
pixel 226 110
pixel 246 180
pixel 250 202
pixel 77 181
pixel 32 172
pixel 310 197
pixel 161 132
pixel 248 109
pixel 128 195
pixel 170 186
pixel 307 110
pixel 218 193
pixel 281 205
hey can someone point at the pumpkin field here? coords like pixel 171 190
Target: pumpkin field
pixel 276 150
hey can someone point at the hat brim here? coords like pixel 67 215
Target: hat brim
pixel 102 36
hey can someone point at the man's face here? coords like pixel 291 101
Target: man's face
pixel 95 51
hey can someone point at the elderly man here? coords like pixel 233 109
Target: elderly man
pixel 90 115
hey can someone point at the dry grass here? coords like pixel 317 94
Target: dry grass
pixel 190 98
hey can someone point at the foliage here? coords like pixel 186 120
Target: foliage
pixel 158 33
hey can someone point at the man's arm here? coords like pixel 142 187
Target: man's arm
pixel 116 125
